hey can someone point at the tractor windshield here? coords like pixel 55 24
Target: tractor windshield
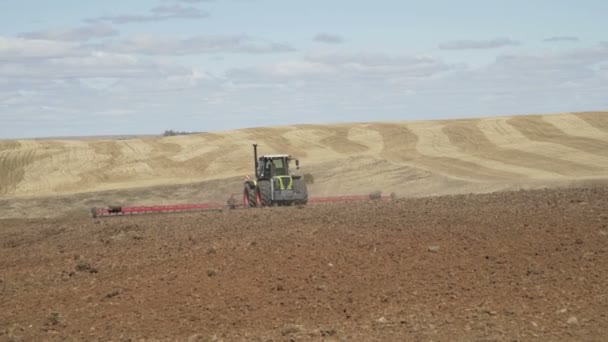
pixel 280 167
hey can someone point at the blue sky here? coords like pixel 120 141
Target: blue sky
pixel 140 67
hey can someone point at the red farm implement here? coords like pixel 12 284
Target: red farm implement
pixel 232 204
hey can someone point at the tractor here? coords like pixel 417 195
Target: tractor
pixel 274 184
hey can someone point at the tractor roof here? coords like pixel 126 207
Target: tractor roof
pixel 273 156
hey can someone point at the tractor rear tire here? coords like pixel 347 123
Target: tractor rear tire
pixel 300 187
pixel 265 192
pixel 250 197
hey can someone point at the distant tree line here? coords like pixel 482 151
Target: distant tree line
pixel 170 133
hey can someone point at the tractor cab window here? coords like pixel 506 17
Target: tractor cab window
pixel 280 168
pixel 275 167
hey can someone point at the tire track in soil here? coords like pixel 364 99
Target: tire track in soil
pixel 338 141
pixel 400 146
pixel 574 125
pixel 537 129
pixel 275 140
pixel 13 166
pixel 467 136
pixel 598 120
pixel 433 141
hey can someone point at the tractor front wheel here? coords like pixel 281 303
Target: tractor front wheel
pixel 265 194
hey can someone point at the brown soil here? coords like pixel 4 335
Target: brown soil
pixel 517 266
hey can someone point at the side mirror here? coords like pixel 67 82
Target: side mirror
pixel 297 164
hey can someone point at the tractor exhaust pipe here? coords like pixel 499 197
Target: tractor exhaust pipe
pixel 255 159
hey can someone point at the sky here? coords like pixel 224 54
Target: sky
pixel 80 68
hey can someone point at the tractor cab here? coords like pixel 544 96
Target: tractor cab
pixel 276 165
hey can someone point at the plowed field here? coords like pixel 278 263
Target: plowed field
pixel 515 266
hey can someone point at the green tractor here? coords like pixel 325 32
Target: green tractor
pixel 274 184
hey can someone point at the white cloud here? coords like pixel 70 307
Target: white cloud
pixel 382 64
pixel 559 39
pixel 328 38
pixel 129 81
pixel 334 68
pixel 94 65
pixel 159 13
pixel 192 78
pixel 83 33
pixel 539 82
pixel 298 68
pixel 478 44
pixel 562 62
pixel 33 65
pixel 346 87
pixel 15 97
pixel 169 45
pixel 96 60
pixel 12 48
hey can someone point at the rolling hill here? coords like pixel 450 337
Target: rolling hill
pixel 410 158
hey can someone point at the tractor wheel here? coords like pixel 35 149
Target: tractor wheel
pixel 300 187
pixel 250 198
pixel 265 195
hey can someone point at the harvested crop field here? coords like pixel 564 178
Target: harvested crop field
pixel 513 266
pixel 411 158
